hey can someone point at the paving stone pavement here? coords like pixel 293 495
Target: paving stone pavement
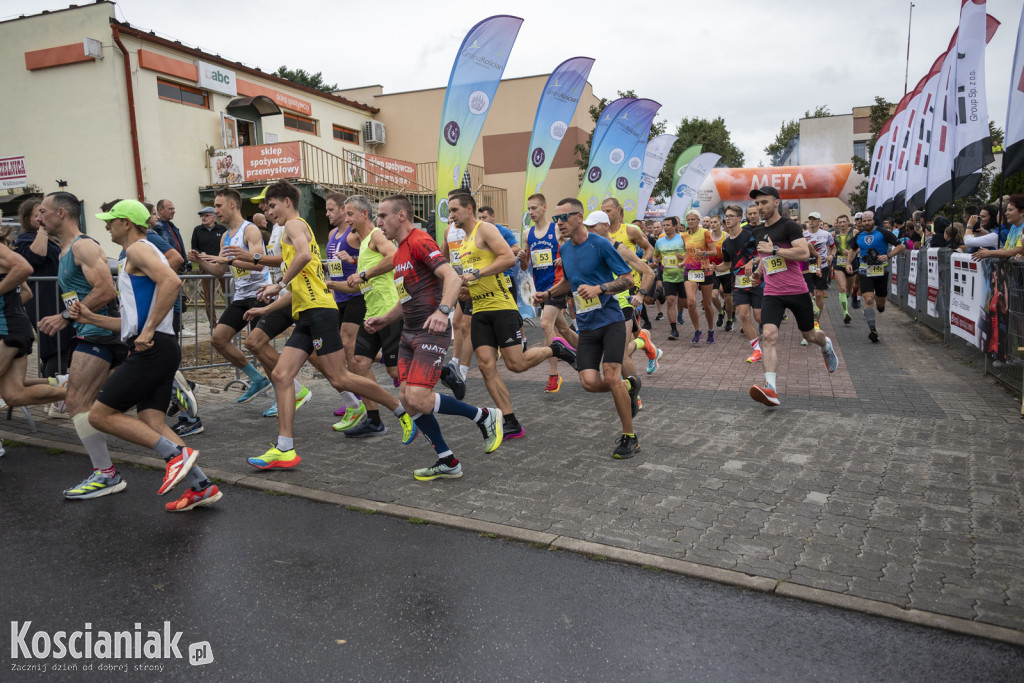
pixel 898 479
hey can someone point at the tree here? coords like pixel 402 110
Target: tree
pixel 303 77
pixel 791 129
pixel 881 110
pixel 583 149
pixel 713 135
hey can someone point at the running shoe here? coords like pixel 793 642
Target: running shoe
pixel 831 359
pixel 61 407
pixel 515 431
pixel 186 427
pixel 353 416
pixel 491 428
pixel 554 384
pixel 275 457
pixel 255 388
pixel 755 357
pixel 696 337
pixel 729 324
pixel 673 335
pixel 765 395
pixel 302 398
pixel 856 302
pixel 341 411
pixel 639 403
pixel 873 336
pixel 177 468
pixel 365 429
pixel 650 350
pixel 451 377
pixel 627 448
pixel 562 350
pixel 847 319
pixel 711 336
pixel 271 411
pixel 679 318
pixel 634 394
pixel 660 316
pixel 193 499
pixel 409 428
pixel 721 319
pixel 804 342
pixel 183 396
pixel 655 363
pixel 96 485
pixel 438 471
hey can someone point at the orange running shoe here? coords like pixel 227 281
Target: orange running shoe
pixel 650 350
pixel 554 384
pixel 755 357
pixel 765 395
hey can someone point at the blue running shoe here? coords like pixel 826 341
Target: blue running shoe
pixel 271 411
pixel 254 389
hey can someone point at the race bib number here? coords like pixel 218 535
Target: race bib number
pixel 69 298
pixel 453 252
pixel 874 271
pixel 841 261
pixel 541 258
pixel 774 265
pixel 744 282
pixel 586 305
pixel 403 295
pixel 239 272
pixel 695 275
pixel 813 268
pixel 366 287
pixel 336 267
pixel 671 261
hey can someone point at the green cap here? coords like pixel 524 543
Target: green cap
pixel 131 209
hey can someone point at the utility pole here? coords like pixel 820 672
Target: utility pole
pixel 906 73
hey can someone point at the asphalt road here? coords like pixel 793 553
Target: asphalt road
pixel 281 588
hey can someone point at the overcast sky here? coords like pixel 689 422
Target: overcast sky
pixel 754 63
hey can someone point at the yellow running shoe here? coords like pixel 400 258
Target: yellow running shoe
pixel 409 429
pixel 353 416
pixel 275 457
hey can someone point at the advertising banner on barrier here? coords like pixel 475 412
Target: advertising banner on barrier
pixel 912 286
pixel 967 301
pixel 894 279
pixel 933 280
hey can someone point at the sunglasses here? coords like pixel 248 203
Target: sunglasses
pixel 564 217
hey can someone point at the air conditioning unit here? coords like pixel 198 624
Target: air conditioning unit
pixel 373 133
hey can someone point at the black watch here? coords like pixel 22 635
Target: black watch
pixel 256 258
pixel 362 275
pixel 775 250
pixel 445 309
pixel 604 288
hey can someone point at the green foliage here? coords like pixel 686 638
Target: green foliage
pixel 791 129
pixel 1013 184
pixel 583 149
pixel 714 136
pixel 303 77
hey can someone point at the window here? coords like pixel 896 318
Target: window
pixel 346 134
pixel 860 149
pixel 175 92
pixel 300 123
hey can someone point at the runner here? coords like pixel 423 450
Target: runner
pixel 84 275
pixel 427 287
pixel 699 249
pixel 595 273
pixel 723 279
pixel 453 374
pixel 147 288
pixel 248 279
pixel 872 247
pixel 496 323
pixel 739 252
pixel 818 273
pixel 845 238
pixel 782 248
pixel 542 253
pixel 316 328
pixel 670 254
pixel 342 257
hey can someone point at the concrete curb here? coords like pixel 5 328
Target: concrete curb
pixel 596 550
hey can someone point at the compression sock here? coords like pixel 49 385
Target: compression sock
pixel 429 427
pixel 869 315
pixel 95 442
pixel 446 404
pixel 844 302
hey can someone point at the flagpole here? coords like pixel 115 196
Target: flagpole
pixel 906 73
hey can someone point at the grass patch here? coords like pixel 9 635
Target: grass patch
pixel 651 568
pixel 356 508
pixel 489 535
pixel 538 545
pixel 54 451
pixel 14 444
pixel 599 558
pixel 267 492
pixel 417 520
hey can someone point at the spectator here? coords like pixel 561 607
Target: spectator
pixel 942 233
pixel 207 239
pixel 1015 218
pixel 982 230
pixel 43 254
pixel 166 229
pixel 954 236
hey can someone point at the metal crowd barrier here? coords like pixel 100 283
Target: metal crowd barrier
pixel 1006 361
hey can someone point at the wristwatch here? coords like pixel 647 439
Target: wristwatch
pixel 604 288
pixel 66 314
pixel 775 250
pixel 445 309
pixel 256 258
pixel 362 275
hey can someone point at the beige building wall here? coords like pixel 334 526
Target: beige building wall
pixel 830 140
pixel 69 121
